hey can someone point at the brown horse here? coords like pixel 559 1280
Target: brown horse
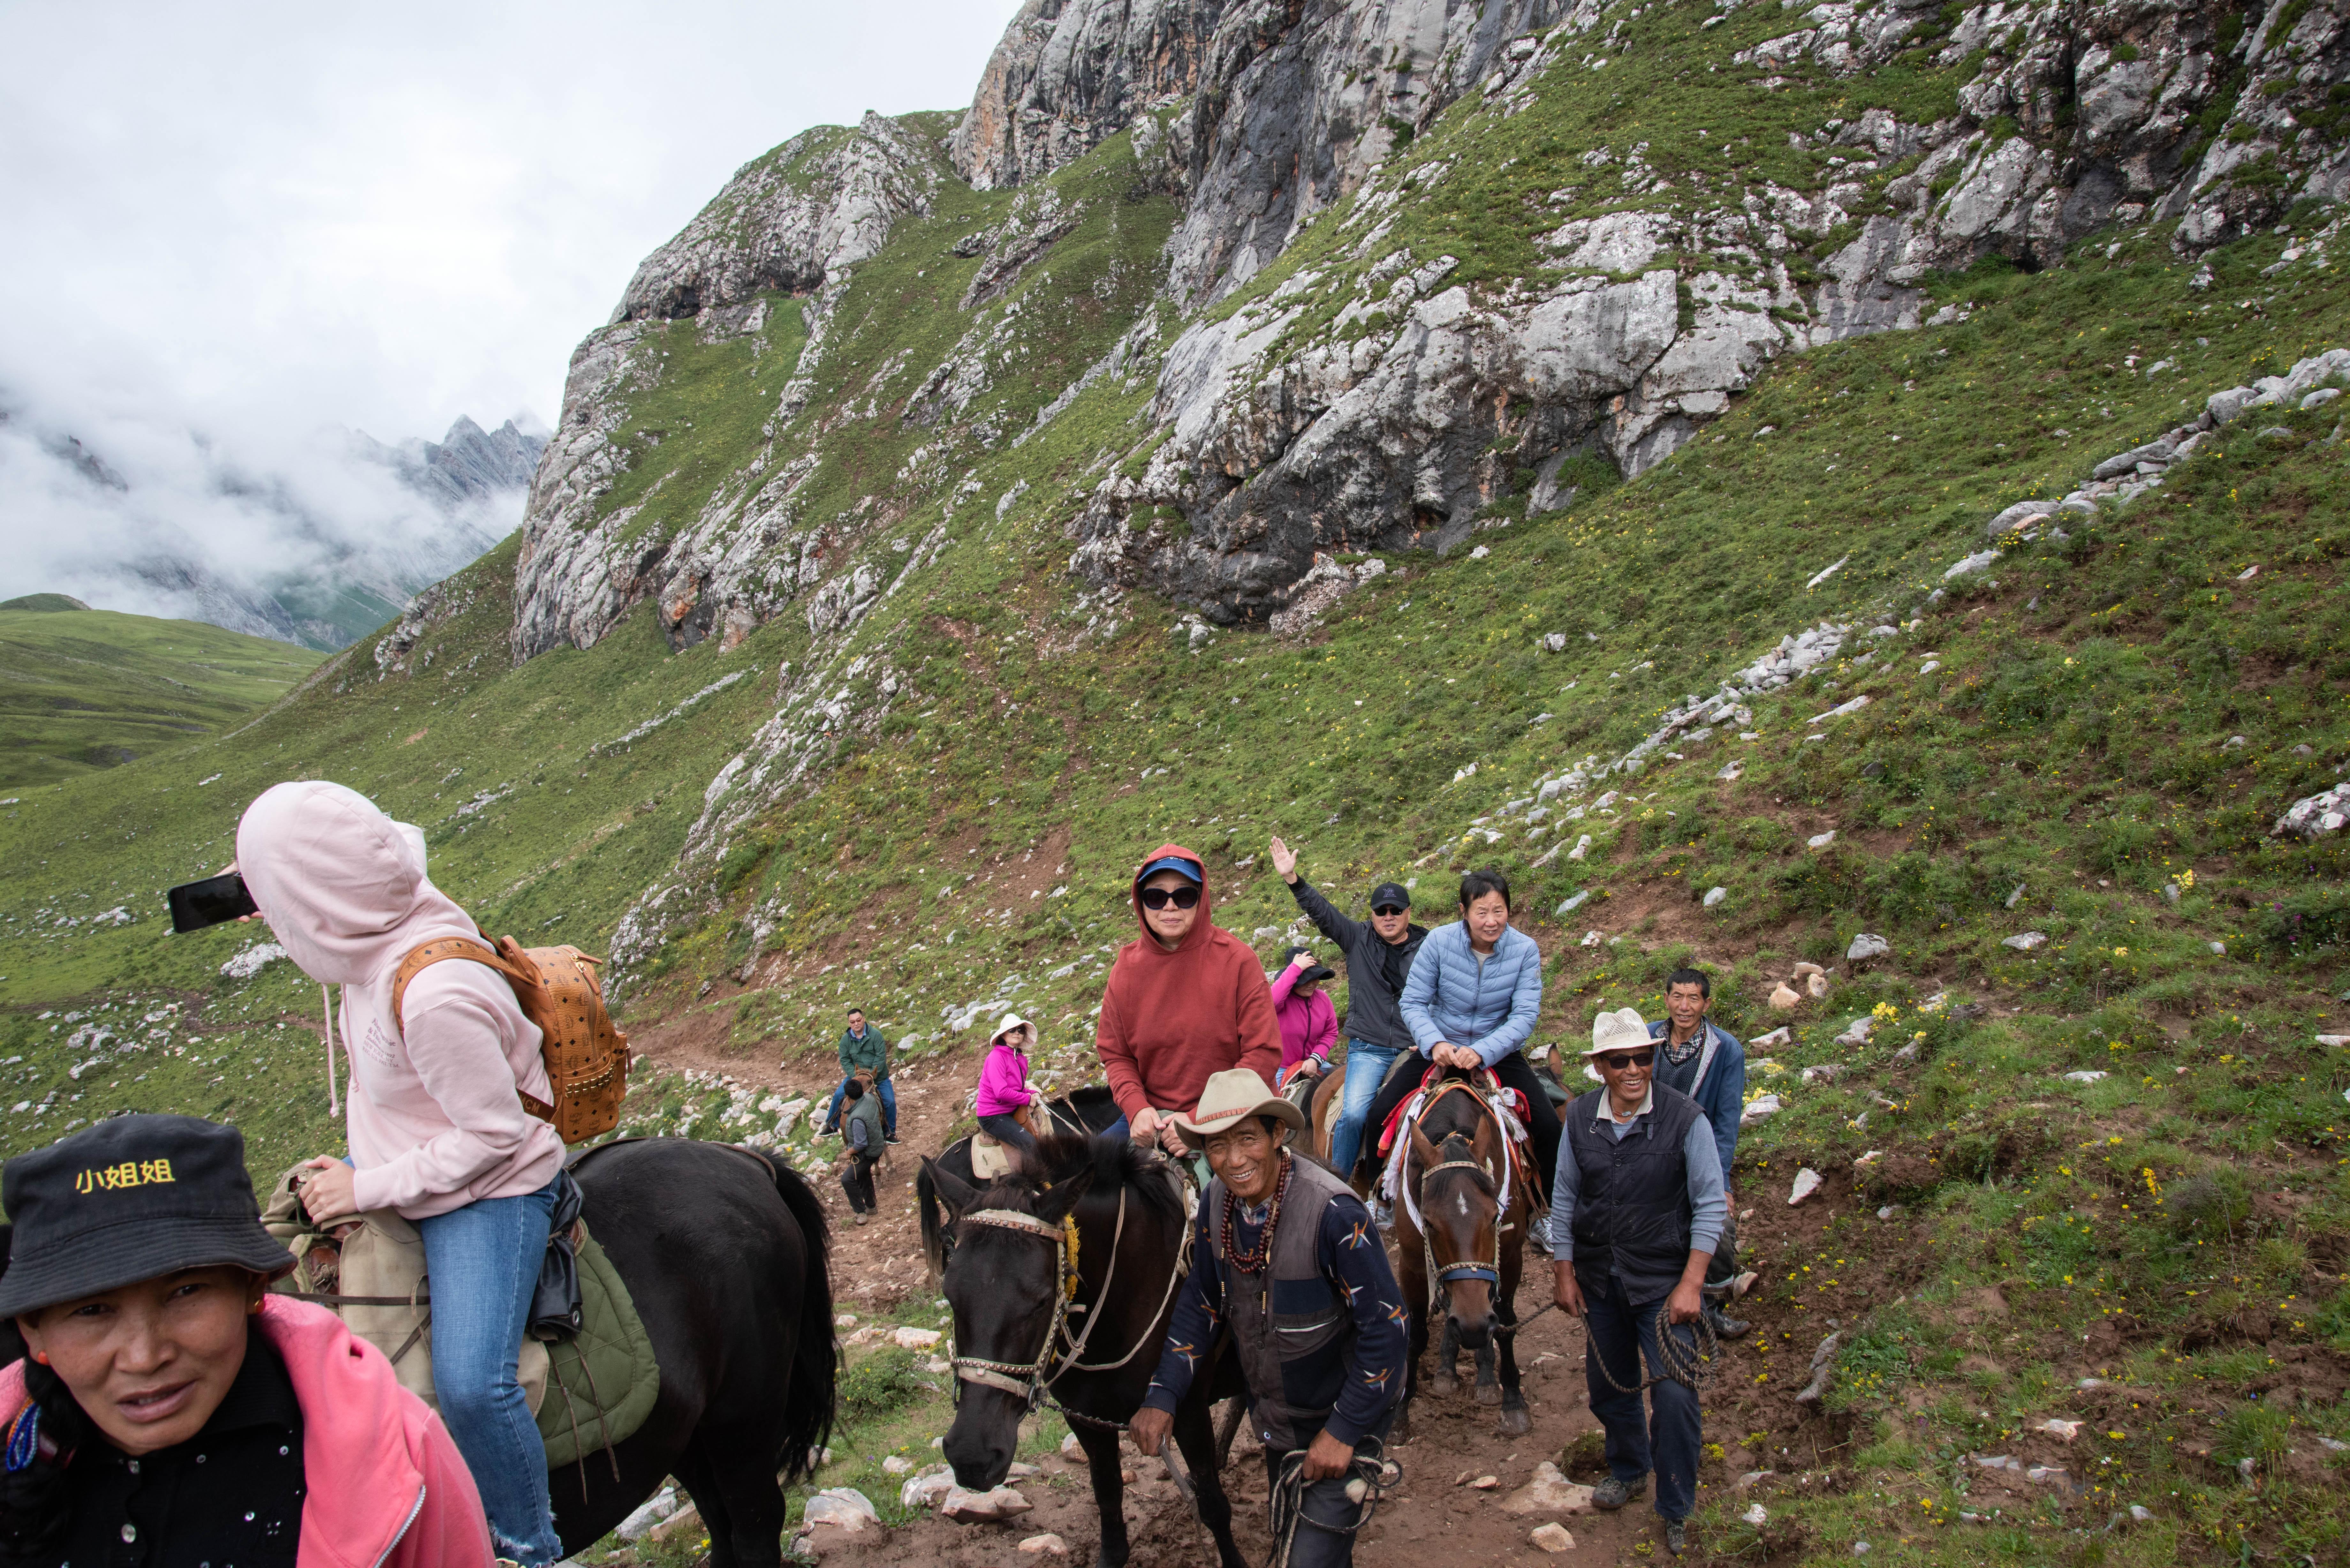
pixel 1455 1243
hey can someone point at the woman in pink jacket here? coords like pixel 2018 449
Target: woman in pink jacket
pixel 169 1411
pixel 1309 1024
pixel 1003 1092
pixel 437 1128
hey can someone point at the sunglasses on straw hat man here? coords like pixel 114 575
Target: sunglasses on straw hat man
pixel 1620 1040
pixel 1228 1099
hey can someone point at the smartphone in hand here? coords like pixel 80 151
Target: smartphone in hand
pixel 215 899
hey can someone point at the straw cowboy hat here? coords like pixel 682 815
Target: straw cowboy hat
pixel 1622 1030
pixel 1227 1098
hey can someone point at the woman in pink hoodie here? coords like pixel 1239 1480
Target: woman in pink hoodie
pixel 1309 1024
pixel 437 1128
pixel 169 1410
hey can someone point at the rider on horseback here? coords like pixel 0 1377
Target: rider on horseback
pixel 1471 1001
pixel 1286 1258
pixel 1185 1000
pixel 1379 956
pixel 437 1127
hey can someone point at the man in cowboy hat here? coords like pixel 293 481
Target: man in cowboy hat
pixel 1636 1210
pixel 1287 1259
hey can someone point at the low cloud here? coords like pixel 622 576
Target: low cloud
pixel 234 235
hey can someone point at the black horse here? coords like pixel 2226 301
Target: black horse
pixel 723 1252
pixel 1092 1350
pixel 1456 1172
pixel 1076 1114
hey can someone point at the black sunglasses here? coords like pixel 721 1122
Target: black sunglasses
pixel 1160 897
pixel 1617 1061
pixel 1391 909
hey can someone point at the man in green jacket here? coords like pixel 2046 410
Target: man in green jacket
pixel 865 1049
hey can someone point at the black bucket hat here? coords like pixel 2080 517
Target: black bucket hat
pixel 130 1200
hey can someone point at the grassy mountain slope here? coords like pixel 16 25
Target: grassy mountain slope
pixel 1000 748
pixel 82 690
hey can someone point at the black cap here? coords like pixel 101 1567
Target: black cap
pixel 1391 893
pixel 1320 971
pixel 133 1198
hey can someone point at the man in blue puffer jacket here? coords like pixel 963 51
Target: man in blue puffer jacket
pixel 1470 1002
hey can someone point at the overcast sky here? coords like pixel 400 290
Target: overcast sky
pixel 246 221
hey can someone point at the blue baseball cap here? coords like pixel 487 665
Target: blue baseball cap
pixel 1187 870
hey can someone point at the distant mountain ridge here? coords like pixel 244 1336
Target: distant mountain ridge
pixel 469 463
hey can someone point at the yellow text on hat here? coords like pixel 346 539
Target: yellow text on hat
pixel 130 1173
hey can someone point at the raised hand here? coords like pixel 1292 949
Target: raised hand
pixel 1285 861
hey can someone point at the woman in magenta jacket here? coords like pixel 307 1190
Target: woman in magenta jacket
pixel 168 1403
pixel 1004 1092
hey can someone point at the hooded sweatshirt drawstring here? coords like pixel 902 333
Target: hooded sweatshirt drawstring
pixel 327 1005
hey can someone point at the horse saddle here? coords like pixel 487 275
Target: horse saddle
pixel 590 1390
pixel 1508 1106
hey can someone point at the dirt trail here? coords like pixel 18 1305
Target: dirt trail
pixel 879 1266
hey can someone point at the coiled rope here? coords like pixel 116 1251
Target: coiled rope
pixel 1370 1476
pixel 1690 1363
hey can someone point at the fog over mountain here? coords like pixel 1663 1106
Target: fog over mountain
pixel 315 537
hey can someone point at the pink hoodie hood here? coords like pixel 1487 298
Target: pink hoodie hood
pixel 436 1120
pixel 385 1483
pixel 341 885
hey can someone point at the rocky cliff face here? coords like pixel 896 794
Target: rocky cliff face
pixel 791 221
pixel 1365 398
pixel 1070 74
pixel 1283 447
pixel 784 235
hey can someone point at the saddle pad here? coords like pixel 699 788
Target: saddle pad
pixel 989 1157
pixel 602 1382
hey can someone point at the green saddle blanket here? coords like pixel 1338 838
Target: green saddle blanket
pixel 602 1382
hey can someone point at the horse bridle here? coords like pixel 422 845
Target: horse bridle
pixel 1031 1379
pixel 1439 1276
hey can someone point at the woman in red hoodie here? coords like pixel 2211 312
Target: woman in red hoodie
pixel 171 1411
pixel 1185 1000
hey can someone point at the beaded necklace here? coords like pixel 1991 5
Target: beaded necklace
pixel 1255 1259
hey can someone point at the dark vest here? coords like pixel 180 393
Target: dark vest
pixel 1632 1214
pixel 1290 1327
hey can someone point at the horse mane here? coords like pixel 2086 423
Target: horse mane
pixel 1116 1164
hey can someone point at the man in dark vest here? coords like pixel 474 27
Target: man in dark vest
pixel 1636 1211
pixel 1288 1258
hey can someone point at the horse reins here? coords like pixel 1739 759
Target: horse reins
pixel 1031 1379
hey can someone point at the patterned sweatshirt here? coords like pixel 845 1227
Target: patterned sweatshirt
pixel 1352 1257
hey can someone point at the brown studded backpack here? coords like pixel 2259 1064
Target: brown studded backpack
pixel 587 1055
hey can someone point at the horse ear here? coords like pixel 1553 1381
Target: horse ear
pixel 954 1191
pixel 1053 1204
pixel 1428 1153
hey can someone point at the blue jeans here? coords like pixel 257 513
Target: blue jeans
pixel 1366 1068
pixel 888 1107
pixel 482 1261
pixel 1624 1336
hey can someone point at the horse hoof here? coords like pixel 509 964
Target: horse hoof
pixel 1515 1422
pixel 1488 1393
pixel 1444 1388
